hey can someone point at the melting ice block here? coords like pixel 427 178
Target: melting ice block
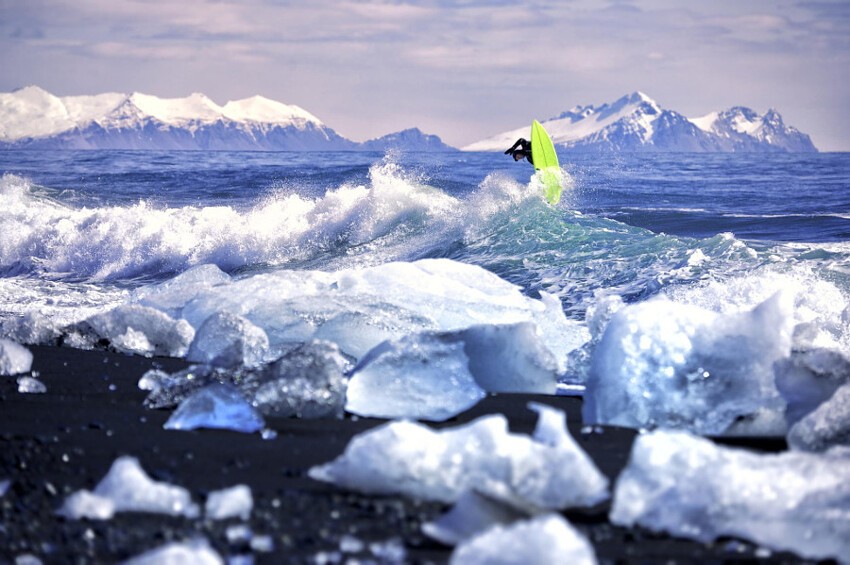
pixel 14 358
pixel 359 308
pixel 30 385
pixel 228 340
pixel 127 488
pixel 690 487
pixel 472 514
pixel 142 330
pixel 542 540
pixel 547 471
pixel 216 406
pixel 809 378
pixel 661 364
pixel 434 376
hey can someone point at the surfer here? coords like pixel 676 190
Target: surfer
pixel 520 150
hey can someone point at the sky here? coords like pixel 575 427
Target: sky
pixel 460 69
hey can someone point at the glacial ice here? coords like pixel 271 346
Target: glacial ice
pixel 419 377
pixel 435 376
pixel 197 552
pixel 809 378
pixel 826 426
pixel 30 385
pixel 14 358
pixel 307 381
pixel 217 406
pixel 547 471
pixel 228 340
pixel 360 308
pixel 542 540
pixel 690 487
pixel 233 502
pixel 170 296
pixel 127 488
pixel 662 364
pixel 141 330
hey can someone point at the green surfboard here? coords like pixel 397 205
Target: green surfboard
pixel 546 162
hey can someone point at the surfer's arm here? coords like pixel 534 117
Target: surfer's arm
pixel 516 144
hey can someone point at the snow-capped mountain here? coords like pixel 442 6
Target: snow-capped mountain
pixel 412 139
pixel 33 118
pixel 636 122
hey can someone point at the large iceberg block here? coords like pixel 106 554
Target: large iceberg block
pixel 228 340
pixel 14 358
pixel 127 488
pixel 359 308
pixel 690 487
pixel 661 364
pixel 547 471
pixel 216 406
pixel 541 540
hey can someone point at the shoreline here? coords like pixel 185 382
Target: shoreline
pixel 64 440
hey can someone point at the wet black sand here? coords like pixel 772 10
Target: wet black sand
pixel 54 444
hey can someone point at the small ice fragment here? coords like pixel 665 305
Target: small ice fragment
pixel 29 385
pixel 4 487
pixel 547 471
pixel 233 502
pixel 197 552
pixel 228 340
pixel 542 540
pixel 132 490
pixel 690 487
pixel 216 406
pixel 14 358
pixel 27 559
pixel 238 534
pixel 153 379
pixel 351 544
pixel 85 504
pixel 389 551
pixel 472 514
pixel 262 544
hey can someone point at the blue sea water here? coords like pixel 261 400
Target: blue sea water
pixel 628 224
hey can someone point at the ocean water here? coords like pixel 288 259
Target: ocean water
pixel 85 231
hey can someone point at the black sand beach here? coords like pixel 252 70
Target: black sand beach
pixel 54 444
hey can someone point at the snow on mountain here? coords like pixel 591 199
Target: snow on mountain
pixel 636 122
pixel 33 118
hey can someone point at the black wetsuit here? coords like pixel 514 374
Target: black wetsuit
pixel 524 149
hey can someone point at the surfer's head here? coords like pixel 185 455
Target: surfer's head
pixel 518 155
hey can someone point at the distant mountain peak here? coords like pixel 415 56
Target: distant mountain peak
pixel 636 122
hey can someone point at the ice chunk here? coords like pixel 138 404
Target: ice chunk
pixel 170 296
pixel 547 471
pixel 826 426
pixel 809 378
pixel 132 328
pixel 197 552
pixel 131 490
pixel 420 376
pixel 14 359
pixel 688 486
pixel 661 364
pixel 472 514
pixel 308 382
pixel 542 540
pixel 228 340
pixel 216 406
pixel 86 504
pixel 233 502
pixel 4 487
pixel 30 385
pixel 435 376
